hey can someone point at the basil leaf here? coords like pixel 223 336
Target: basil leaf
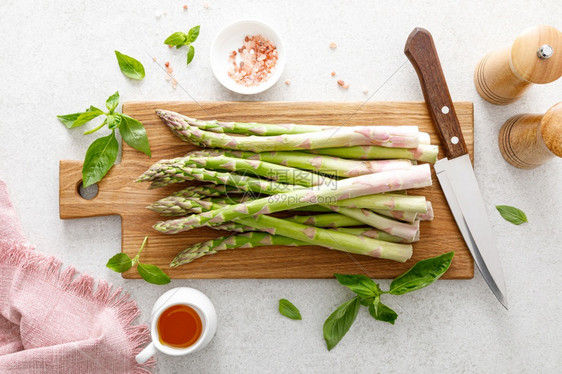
pixel 134 134
pixel 112 102
pixel 85 117
pixel 287 309
pixel 512 214
pixel 190 54
pixel 100 157
pixel 113 120
pixel 120 263
pixel 177 39
pixel 421 274
pixel 152 274
pixel 69 119
pixel 366 301
pixel 129 66
pixel 381 312
pixel 339 322
pixel 360 284
pixel 192 34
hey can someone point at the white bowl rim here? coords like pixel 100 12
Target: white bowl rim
pixel 252 90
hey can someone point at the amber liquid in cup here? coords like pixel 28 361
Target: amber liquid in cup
pixel 179 326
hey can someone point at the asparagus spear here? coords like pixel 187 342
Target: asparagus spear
pixel 244 128
pixel 207 190
pixel 324 164
pixel 404 230
pixel 414 177
pixel 361 245
pixel 423 152
pixel 313 208
pixel 279 173
pixel 386 136
pixel 165 174
pixel 330 220
pixel 357 231
pixel 373 233
pixel 400 215
pixel 326 220
pixel 427 216
pixel 245 240
pixel 387 201
pixel 180 206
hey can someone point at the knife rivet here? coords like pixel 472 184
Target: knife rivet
pixel 454 140
pixel 445 109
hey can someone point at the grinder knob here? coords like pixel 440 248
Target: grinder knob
pixel 502 76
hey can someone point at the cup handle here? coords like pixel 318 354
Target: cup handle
pixel 146 353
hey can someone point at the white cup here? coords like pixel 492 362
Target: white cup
pixel 181 296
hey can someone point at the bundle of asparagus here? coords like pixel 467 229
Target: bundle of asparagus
pixel 350 175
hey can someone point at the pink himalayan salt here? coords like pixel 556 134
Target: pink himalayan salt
pixel 258 58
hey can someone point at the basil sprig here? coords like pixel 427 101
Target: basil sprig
pixel 102 153
pixel 179 39
pixel 512 214
pixel 121 262
pixel 287 309
pixel 369 293
pixel 130 67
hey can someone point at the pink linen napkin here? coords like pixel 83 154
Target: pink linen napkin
pixel 57 321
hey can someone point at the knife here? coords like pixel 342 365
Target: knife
pixel 455 172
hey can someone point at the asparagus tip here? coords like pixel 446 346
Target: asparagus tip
pixel 160 112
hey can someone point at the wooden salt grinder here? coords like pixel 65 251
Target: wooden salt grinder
pixel 529 140
pixel 502 76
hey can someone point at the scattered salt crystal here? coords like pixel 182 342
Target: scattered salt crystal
pixel 365 91
pixel 333 45
pixel 342 84
pixel 333 74
pixel 157 14
pixel 287 82
pixel 169 77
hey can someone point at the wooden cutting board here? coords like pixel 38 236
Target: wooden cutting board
pixel 119 195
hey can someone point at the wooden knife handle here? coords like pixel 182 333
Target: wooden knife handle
pixel 421 52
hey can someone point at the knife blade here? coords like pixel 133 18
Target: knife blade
pixel 455 172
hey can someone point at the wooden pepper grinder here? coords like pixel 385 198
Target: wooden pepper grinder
pixel 529 140
pixel 502 76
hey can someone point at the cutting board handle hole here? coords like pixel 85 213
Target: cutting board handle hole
pixel 89 192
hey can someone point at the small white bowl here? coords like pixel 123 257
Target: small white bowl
pixel 230 39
